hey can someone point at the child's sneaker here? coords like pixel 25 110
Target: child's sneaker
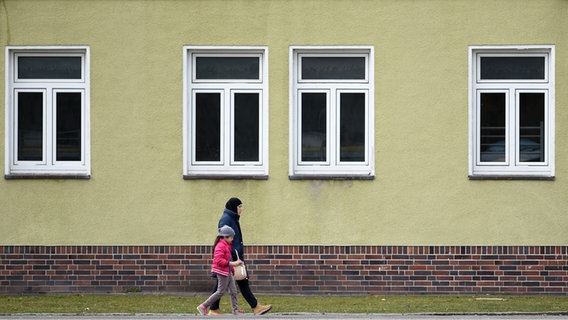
pixel 202 310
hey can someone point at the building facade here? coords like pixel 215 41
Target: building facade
pixel 380 147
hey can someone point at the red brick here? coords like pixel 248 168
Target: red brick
pixel 317 269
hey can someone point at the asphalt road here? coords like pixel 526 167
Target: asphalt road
pixel 311 316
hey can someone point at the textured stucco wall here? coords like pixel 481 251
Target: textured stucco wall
pixel 421 193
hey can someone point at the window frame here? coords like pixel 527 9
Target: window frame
pixel 49 166
pixel 332 167
pixel 512 167
pixel 226 167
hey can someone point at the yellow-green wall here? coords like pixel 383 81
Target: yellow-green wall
pixel 421 193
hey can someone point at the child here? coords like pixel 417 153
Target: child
pixel 222 269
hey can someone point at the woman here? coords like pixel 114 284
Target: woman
pixel 230 217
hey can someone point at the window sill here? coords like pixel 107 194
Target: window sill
pixel 330 177
pixel 500 177
pixel 47 176
pixel 223 177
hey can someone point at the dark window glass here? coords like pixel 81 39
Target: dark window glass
pixel 333 68
pixel 531 140
pixel 247 126
pixel 512 68
pixel 208 126
pixel 352 130
pixel 68 126
pixel 211 68
pixel 30 126
pixel 314 128
pixel 49 68
pixel 493 138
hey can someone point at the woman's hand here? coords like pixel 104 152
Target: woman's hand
pixel 238 262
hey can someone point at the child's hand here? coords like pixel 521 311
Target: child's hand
pixel 238 262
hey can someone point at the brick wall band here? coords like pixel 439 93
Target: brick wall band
pixel 380 270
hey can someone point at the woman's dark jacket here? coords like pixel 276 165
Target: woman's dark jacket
pixel 231 219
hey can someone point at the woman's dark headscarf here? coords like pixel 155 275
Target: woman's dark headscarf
pixel 233 203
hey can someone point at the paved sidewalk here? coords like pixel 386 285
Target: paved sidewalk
pixel 310 316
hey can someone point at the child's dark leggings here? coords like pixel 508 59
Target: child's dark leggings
pixel 245 291
pixel 224 284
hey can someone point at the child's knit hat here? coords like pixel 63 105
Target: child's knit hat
pixel 226 231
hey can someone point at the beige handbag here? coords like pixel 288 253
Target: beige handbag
pixel 240 271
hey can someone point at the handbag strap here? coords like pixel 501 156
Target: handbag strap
pixel 237 254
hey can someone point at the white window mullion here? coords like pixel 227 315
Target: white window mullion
pixel 512 127
pixel 46 128
pixel 224 131
pixel 227 128
pixel 330 128
pixel 231 125
pixel 51 126
pixel 333 130
pixel 516 131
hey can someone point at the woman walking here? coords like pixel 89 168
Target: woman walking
pixel 230 217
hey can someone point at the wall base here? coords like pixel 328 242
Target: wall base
pixel 290 269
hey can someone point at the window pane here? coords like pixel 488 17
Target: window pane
pixel 208 126
pixel 30 126
pixel 227 68
pixel 247 126
pixel 493 68
pixel 333 68
pixel 532 127
pixel 68 126
pixel 314 126
pixel 492 135
pixel 49 68
pixel 352 130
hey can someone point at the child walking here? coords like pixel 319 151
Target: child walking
pixel 222 269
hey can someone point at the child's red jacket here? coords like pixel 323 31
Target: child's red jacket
pixel 221 258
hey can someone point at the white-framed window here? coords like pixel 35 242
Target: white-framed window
pixel 47 112
pixel 511 112
pixel 225 112
pixel 331 112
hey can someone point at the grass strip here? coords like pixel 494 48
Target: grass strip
pixel 143 303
